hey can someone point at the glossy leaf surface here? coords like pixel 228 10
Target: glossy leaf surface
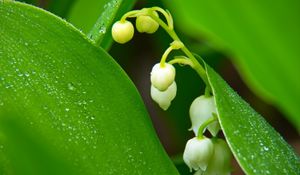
pixel 66 107
pixel 258 148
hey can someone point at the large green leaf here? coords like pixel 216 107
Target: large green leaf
pixel 258 148
pixel 262 36
pixel 66 107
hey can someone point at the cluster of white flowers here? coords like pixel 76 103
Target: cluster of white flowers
pixel 204 155
pixel 207 156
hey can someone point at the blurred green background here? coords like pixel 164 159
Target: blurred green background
pixel 254 45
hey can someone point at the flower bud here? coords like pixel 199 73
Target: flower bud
pixel 198 153
pixel 220 163
pixel 162 76
pixel 122 32
pixel 202 109
pixel 164 98
pixel 146 24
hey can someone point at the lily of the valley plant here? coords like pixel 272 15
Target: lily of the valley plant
pixel 203 154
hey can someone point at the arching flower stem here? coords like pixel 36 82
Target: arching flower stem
pixel 205 124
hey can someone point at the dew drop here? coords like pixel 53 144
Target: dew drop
pixel 266 148
pixel 71 86
pixel 102 30
pixel 26 74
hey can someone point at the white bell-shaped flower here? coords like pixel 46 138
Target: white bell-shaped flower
pixel 164 98
pixel 145 24
pixel 162 76
pixel 122 32
pixel 197 153
pixel 202 109
pixel 220 163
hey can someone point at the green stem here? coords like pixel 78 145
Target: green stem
pixel 165 55
pixel 197 66
pixel 183 61
pixel 133 13
pixel 166 15
pixel 204 125
pixel 207 92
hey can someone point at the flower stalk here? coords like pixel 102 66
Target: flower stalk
pixel 203 111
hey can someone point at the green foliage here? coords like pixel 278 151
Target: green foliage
pixel 262 36
pixel 258 148
pixel 84 13
pixel 66 107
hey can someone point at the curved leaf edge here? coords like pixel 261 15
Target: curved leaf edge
pixel 73 29
pixel 81 34
pixel 63 21
pixel 245 167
